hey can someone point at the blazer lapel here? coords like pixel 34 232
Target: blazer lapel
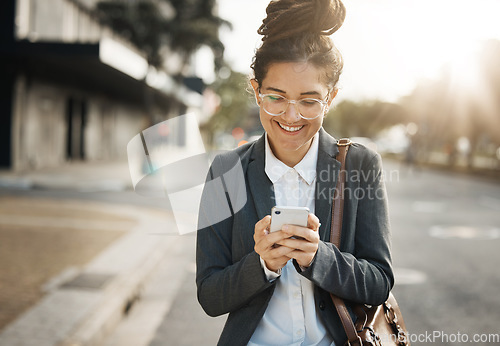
pixel 261 187
pixel 327 171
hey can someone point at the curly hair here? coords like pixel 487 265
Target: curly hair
pixel 298 31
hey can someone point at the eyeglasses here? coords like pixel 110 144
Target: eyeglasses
pixel 307 108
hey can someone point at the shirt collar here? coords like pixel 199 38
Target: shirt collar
pixel 306 168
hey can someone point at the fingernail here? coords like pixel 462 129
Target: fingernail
pixel 285 228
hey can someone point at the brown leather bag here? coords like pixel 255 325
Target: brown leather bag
pixel 375 325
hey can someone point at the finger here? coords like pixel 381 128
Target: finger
pixel 313 222
pixel 272 238
pixel 299 244
pixel 261 227
pixel 277 263
pixel 302 232
pixel 267 243
pixel 273 256
pixel 303 258
pixel 263 223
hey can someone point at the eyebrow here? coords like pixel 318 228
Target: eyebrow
pixel 302 94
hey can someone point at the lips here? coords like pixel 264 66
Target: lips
pixel 290 128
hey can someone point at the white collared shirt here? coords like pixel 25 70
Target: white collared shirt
pixel 291 317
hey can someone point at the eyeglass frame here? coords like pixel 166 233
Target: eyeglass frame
pixel 324 104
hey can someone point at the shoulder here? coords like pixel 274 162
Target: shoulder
pixel 241 156
pixel 360 154
pixel 364 161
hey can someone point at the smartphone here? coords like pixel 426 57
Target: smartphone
pixel 288 216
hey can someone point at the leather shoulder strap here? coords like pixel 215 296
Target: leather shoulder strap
pixel 335 237
pixel 338 198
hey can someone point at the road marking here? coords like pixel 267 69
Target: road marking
pixel 428 207
pixel 65 222
pixel 464 232
pixel 490 202
pixel 405 276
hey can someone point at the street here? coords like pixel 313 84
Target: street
pixel 446 232
pixel 447 229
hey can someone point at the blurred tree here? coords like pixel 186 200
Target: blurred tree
pixel 431 106
pixel 195 25
pixel 490 72
pixel 362 119
pixel 182 25
pixel 235 106
pixel 139 22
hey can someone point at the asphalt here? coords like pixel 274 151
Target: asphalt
pixel 72 267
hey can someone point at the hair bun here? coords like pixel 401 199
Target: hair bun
pixel 288 18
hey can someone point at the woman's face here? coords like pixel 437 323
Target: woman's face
pixel 290 135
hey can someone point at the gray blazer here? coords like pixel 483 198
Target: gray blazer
pixel 229 276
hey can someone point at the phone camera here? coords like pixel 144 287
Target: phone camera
pixel 277 212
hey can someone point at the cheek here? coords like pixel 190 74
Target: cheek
pixel 265 118
pixel 317 123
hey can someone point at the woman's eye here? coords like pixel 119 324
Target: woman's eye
pixel 275 98
pixel 308 102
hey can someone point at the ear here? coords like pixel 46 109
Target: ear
pixel 331 96
pixel 255 87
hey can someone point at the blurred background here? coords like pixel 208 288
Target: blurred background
pixel 85 260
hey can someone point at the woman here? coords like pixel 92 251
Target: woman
pixel 279 295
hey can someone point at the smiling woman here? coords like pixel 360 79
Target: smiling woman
pixel 280 295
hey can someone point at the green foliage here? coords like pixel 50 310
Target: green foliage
pixel 363 119
pixel 235 103
pixel 143 22
pixel 139 22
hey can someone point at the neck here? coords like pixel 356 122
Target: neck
pixel 291 157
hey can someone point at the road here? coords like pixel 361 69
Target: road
pixel 447 229
pixel 446 236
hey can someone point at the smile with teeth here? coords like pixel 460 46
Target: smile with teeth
pixel 290 129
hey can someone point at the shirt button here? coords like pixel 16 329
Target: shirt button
pixel 299 332
pixel 296 294
pixel 322 305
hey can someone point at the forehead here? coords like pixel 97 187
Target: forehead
pixel 293 77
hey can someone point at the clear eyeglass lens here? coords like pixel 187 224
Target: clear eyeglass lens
pixel 276 105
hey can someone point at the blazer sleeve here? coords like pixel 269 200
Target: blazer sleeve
pixel 223 284
pixel 363 272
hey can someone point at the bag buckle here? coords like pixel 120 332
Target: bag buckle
pixel 344 142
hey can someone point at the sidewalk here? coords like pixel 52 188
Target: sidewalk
pixel 70 269
pixel 78 176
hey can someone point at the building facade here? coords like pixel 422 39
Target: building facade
pixel 71 89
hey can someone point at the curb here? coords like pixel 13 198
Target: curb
pixel 84 312
pixel 81 176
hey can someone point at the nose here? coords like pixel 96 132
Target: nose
pixel 291 114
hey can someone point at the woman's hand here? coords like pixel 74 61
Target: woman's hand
pixel 274 256
pixel 305 244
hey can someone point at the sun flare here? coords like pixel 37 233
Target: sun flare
pixel 394 44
